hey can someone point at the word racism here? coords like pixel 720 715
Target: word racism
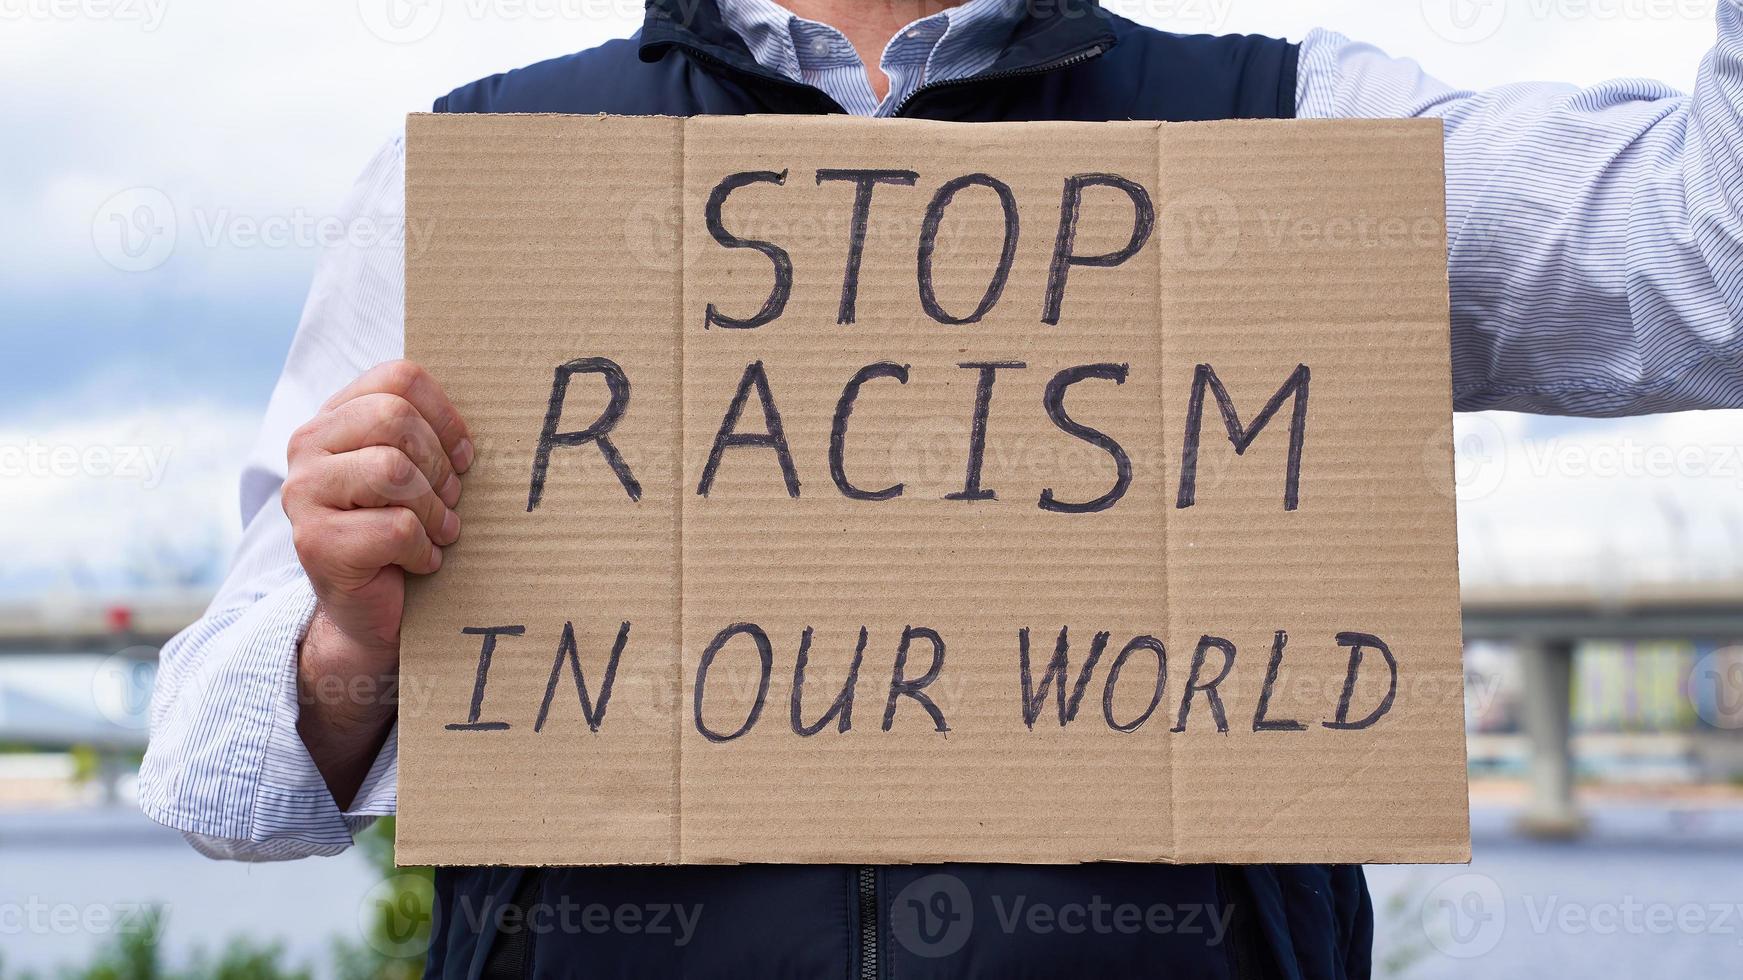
pixel 771 436
pixel 1213 659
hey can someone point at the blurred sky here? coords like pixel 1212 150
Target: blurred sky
pixel 251 119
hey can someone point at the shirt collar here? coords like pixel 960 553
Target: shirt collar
pixel 968 37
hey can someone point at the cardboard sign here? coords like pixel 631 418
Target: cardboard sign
pixel 897 491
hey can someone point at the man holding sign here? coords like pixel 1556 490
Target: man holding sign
pixel 1594 267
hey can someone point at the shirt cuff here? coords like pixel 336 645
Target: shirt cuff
pixel 226 765
pixel 379 794
pixel 295 803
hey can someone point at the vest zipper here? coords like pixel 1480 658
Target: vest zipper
pixel 1094 51
pixel 870 933
pixel 866 878
pixel 870 941
pixel 824 100
pixel 1243 943
pixel 511 952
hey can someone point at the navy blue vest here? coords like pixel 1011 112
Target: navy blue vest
pixel 1066 60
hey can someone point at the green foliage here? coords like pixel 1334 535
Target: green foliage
pixel 243 959
pixel 1399 917
pixel 376 844
pixel 133 954
pixel 86 763
pixel 398 934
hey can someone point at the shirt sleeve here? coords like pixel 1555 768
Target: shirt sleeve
pixel 1595 235
pixel 225 764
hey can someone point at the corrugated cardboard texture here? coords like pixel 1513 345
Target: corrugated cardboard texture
pixel 1286 263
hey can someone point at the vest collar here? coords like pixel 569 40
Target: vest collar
pixel 1050 32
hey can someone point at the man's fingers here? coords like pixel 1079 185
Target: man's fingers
pixel 373 477
pixel 359 542
pixel 414 384
pixel 382 419
pixel 383 477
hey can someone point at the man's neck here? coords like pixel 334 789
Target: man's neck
pixel 868 25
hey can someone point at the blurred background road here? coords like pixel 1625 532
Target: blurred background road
pixel 170 176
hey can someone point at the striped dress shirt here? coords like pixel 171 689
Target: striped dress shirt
pixel 1596 242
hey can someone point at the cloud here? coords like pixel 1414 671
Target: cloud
pixel 137 501
pixel 1601 502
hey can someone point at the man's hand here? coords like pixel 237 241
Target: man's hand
pixel 372 485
